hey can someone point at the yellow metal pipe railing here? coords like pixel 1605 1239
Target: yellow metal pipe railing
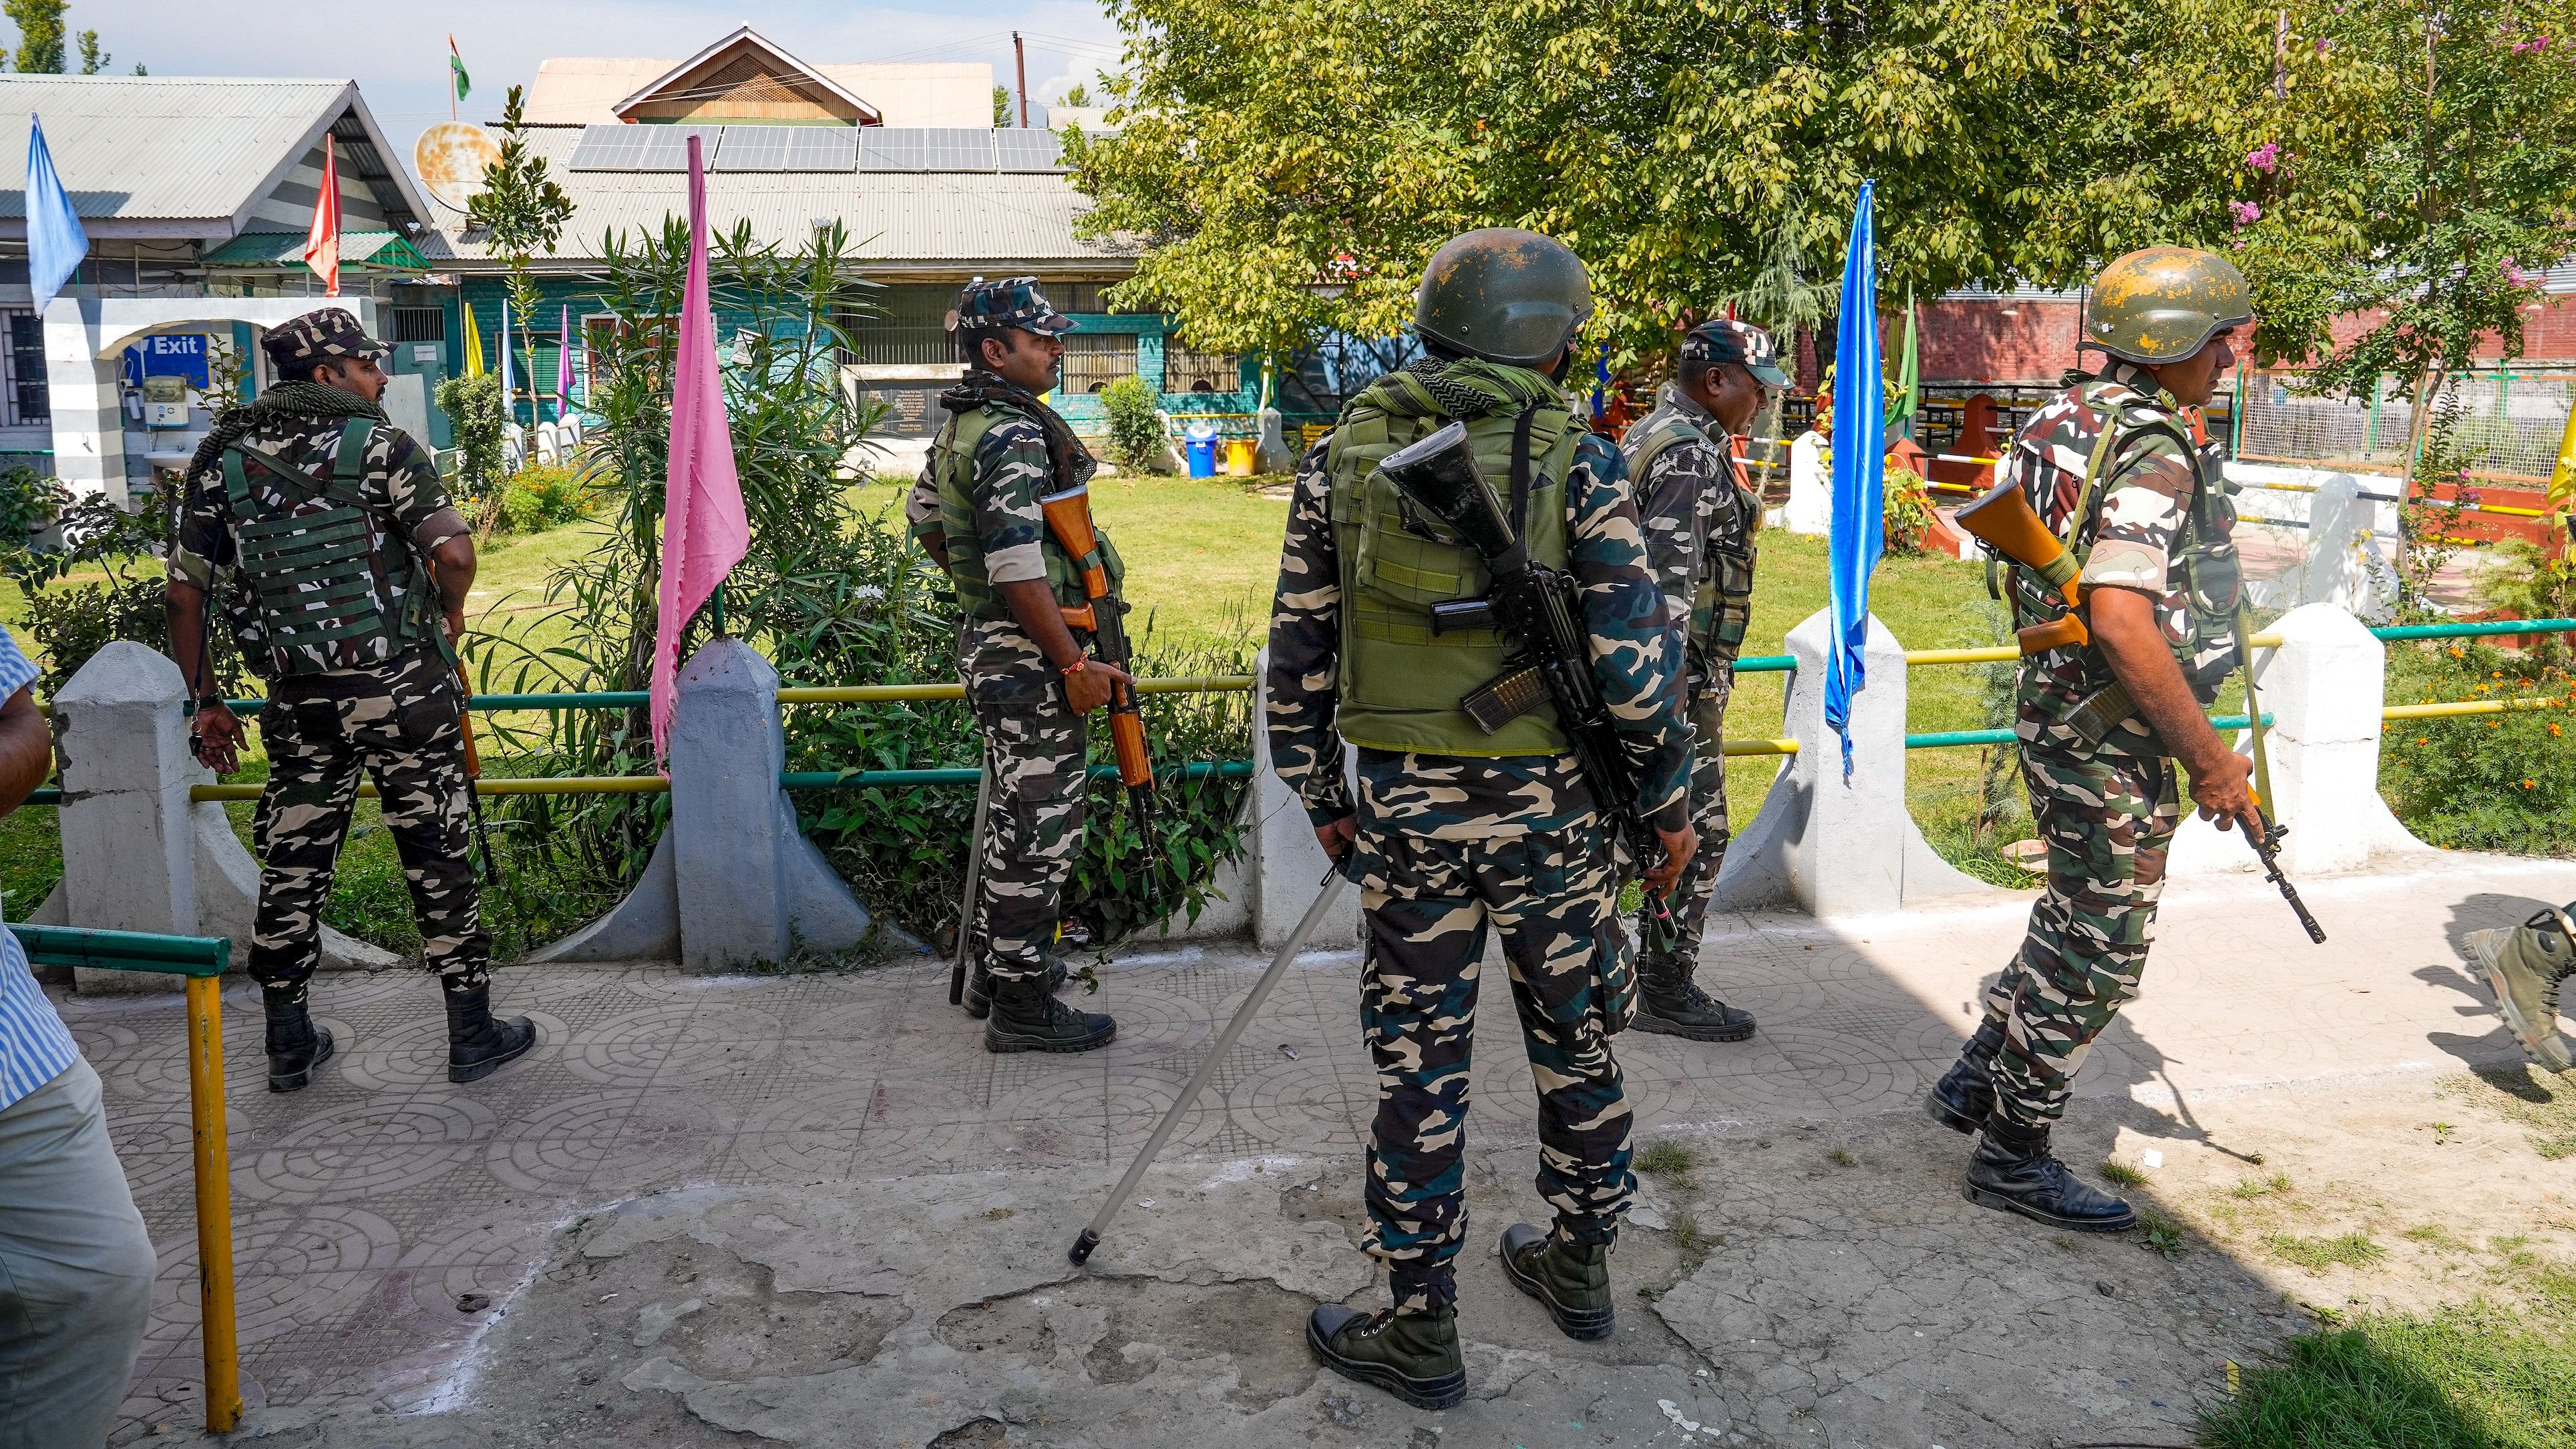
pixel 2471 706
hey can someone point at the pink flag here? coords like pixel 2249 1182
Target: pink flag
pixel 563 366
pixel 704 532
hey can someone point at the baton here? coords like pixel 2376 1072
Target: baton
pixel 974 868
pixel 1080 1252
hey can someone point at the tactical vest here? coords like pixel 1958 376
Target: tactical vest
pixel 1722 597
pixel 321 577
pixel 952 456
pixel 1400 684
pixel 2213 574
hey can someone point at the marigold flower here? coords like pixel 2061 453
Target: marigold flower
pixel 2527 783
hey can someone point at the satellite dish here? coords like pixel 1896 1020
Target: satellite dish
pixel 450 157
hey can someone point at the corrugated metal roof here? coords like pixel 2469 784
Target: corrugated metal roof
pixel 162 147
pixel 946 218
pixel 357 248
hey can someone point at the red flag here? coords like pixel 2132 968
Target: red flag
pixel 704 530
pixel 322 243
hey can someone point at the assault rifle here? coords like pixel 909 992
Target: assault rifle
pixel 1540 609
pixel 1068 517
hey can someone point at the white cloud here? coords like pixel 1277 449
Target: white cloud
pixel 398 52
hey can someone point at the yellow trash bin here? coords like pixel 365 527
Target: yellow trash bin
pixel 1238 457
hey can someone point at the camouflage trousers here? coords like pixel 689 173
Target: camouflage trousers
pixel 1428 905
pixel 1038 751
pixel 1689 900
pixel 2107 815
pixel 400 723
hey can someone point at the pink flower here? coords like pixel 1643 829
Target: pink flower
pixel 2247 213
pixel 2264 157
pixel 2516 274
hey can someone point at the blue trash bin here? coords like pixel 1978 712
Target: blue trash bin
pixel 1199 444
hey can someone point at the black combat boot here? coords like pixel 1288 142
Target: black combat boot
pixel 1966 1092
pixel 1413 1356
pixel 478 1046
pixel 1027 1018
pixel 295 1045
pixel 2014 1172
pixel 1670 1002
pixel 979 985
pixel 1571 1280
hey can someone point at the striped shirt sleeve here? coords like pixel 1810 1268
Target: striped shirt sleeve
pixel 35 1046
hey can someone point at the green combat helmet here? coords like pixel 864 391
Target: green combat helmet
pixel 1505 295
pixel 2162 304
pixel 2525 967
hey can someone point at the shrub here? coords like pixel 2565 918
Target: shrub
pixel 1908 513
pixel 71 622
pixel 2481 782
pixel 538 497
pixel 476 421
pixel 2524 582
pixel 1136 440
pixel 28 501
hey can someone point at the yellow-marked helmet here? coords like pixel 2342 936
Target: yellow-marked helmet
pixel 2164 303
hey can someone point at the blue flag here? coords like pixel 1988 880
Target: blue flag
pixel 55 241
pixel 1860 517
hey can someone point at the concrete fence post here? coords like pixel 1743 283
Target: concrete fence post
pixel 137 855
pixel 1287 864
pixel 1834 846
pixel 2324 688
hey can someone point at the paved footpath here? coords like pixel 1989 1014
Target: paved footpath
pixel 812 1209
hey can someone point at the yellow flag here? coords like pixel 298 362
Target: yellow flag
pixel 2562 479
pixel 473 344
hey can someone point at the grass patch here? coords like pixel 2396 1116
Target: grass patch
pixel 1695 1244
pixel 2278 1184
pixel 2162 1234
pixel 1672 1160
pixel 2438 1237
pixel 2121 1174
pixel 2350 1250
pixel 1842 1157
pixel 2541 1103
pixel 2473 1377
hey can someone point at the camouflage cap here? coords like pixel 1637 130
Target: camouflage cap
pixel 1011 302
pixel 1726 340
pixel 318 337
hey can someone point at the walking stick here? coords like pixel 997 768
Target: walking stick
pixel 974 869
pixel 1080 1252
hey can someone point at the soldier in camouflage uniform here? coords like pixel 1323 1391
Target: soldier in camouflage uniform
pixel 1456 833
pixel 1027 677
pixel 316 522
pixel 2111 467
pixel 1700 517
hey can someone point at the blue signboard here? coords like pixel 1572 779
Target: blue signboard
pixel 178 354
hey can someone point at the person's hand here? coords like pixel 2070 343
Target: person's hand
pixel 216 732
pixel 2220 788
pixel 1679 846
pixel 1336 838
pixel 455 625
pixel 1089 687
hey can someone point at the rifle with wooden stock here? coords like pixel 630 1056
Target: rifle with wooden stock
pixel 1103 618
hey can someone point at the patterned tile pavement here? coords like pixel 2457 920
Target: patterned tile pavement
pixel 366 1205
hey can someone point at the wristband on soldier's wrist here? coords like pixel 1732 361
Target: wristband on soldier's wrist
pixel 1079 664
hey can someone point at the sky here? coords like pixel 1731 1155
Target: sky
pixel 397 52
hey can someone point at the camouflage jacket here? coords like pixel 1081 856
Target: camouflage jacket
pixel 1011 475
pixel 2161 525
pixel 404 495
pixel 1635 660
pixel 1698 514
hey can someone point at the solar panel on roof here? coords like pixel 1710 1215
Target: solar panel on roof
pixel 611 148
pixel 890 148
pixel 667 148
pixel 754 148
pixel 822 148
pixel 926 148
pixel 1029 150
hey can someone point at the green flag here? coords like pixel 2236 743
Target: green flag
pixel 1909 379
pixel 456 68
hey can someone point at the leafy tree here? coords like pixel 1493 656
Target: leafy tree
pixel 2414 163
pixel 40 34
pixel 1001 107
pixel 520 207
pixel 1290 168
pixel 1080 95
pixel 93 59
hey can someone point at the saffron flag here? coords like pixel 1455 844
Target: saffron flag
pixel 1859 528
pixel 322 242
pixel 55 240
pixel 563 365
pixel 704 530
pixel 473 344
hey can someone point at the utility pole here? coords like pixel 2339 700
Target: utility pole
pixel 1020 54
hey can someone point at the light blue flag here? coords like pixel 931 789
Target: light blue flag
pixel 1860 518
pixel 55 241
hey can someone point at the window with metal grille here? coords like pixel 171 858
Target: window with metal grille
pixel 420 324
pixel 1187 369
pixel 903 324
pixel 25 398
pixel 1093 360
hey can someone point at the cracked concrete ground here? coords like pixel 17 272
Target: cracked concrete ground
pixel 810 1210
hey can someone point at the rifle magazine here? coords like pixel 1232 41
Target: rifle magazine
pixel 1506 697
